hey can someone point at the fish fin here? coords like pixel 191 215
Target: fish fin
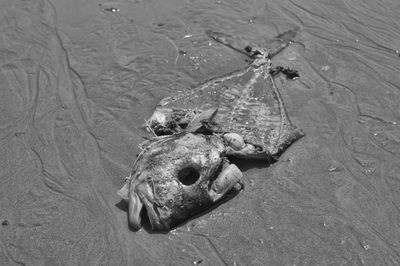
pixel 238 44
pixel 203 121
pixel 281 41
pixel 135 208
pixel 287 136
pixel 252 50
pixel 124 192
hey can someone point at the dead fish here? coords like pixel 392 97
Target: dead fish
pixel 178 176
pixel 246 103
pixel 240 114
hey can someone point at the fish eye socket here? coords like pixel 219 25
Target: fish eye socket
pixel 188 176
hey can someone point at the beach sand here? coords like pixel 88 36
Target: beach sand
pixel 79 78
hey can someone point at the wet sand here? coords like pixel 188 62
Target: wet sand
pixel 77 81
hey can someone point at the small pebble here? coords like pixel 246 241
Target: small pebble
pixel 5 223
pixel 365 245
pixel 113 9
pixel 332 168
pixel 197 262
pixel 325 68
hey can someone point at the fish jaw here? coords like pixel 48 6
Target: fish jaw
pixel 230 177
pixel 178 177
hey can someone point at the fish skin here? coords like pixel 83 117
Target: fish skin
pixel 246 102
pixel 154 182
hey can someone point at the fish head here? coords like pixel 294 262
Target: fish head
pixel 178 176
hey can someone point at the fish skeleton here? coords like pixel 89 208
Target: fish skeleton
pixel 185 169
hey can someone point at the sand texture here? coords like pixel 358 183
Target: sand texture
pixel 77 82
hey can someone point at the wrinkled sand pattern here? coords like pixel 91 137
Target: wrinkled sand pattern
pixel 77 82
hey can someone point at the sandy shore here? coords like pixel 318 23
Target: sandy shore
pixel 78 78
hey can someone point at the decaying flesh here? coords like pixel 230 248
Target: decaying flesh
pixel 244 105
pixel 240 114
pixel 178 176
